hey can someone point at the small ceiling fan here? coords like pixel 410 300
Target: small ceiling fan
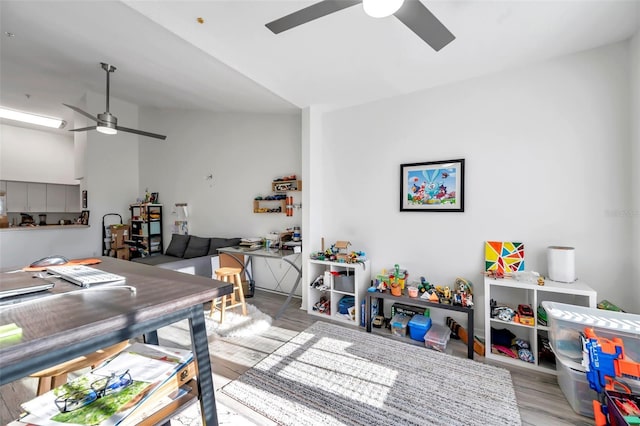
pixel 412 13
pixel 106 122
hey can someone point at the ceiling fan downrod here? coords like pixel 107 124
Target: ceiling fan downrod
pixel 108 68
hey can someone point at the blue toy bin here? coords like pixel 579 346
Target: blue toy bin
pixel 418 327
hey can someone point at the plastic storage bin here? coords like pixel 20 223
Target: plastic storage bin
pixel 437 337
pixel 616 418
pixel 399 324
pixel 575 386
pixel 345 283
pixel 418 327
pixel 566 322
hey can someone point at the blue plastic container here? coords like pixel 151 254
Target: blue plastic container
pixel 418 327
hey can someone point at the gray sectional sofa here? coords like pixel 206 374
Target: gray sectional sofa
pixel 189 254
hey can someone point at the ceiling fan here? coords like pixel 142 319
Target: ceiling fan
pixel 106 122
pixel 412 13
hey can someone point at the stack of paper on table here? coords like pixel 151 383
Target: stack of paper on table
pixel 153 370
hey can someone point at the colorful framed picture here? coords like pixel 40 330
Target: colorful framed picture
pixel 503 257
pixel 434 186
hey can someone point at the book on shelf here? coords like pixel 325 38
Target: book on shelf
pixel 151 374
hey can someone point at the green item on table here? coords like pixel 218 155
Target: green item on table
pixel 10 332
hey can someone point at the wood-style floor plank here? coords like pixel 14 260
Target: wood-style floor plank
pixel 540 400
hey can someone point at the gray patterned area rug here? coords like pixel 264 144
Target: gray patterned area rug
pixel 332 375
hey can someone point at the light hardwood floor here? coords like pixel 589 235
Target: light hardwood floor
pixel 540 400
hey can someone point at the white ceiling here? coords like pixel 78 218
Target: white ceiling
pixel 232 62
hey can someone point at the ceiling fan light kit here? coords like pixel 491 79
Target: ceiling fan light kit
pixel 27 117
pixel 412 13
pixel 106 122
pixel 381 8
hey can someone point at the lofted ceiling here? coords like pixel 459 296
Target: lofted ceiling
pixel 165 58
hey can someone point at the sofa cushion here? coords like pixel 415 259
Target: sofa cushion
pixel 217 243
pixel 196 247
pixel 178 245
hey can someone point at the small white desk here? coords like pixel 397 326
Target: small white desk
pixel 287 256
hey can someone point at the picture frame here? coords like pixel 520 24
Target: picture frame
pixel 432 186
pixel 84 217
pixel 155 198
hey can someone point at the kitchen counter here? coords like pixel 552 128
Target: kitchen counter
pixel 43 227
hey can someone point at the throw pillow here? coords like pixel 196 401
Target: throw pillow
pixel 178 245
pixel 197 247
pixel 217 243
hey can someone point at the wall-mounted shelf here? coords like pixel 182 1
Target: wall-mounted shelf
pixel 269 206
pixel 286 185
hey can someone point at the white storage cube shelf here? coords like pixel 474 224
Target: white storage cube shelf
pixel 509 292
pixel 355 282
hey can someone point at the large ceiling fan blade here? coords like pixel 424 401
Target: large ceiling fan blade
pixel 79 111
pixel 424 23
pixel 315 11
pixel 141 132
pixel 83 129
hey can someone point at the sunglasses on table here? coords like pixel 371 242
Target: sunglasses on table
pixel 75 399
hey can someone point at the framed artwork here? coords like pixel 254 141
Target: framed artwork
pixel 84 217
pixel 155 198
pixel 503 257
pixel 433 186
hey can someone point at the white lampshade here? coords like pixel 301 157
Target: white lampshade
pixel 381 8
pixel 107 130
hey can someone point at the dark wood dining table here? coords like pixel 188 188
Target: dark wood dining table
pixel 69 321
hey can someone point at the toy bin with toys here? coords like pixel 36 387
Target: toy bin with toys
pixel 605 347
pixel 573 382
pixel 399 324
pixel 568 322
pixel 437 337
pixel 419 325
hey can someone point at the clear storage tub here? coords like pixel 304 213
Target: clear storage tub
pixel 566 322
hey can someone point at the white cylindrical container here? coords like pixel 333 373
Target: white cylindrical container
pixel 561 262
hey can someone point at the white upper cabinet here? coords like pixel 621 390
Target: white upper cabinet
pixel 17 197
pixel 29 197
pixel 37 197
pixel 73 198
pixel 56 196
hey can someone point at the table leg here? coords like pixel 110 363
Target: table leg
pixel 367 313
pixel 470 334
pixel 293 290
pixel 151 338
pixel 200 347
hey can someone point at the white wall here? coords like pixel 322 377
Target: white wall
pixel 36 155
pixel 110 169
pixel 635 159
pixel 547 162
pixel 242 152
pixel 110 177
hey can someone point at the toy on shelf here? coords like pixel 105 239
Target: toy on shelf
pixel 607 361
pixel 338 253
pixel 525 315
pixel 463 292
